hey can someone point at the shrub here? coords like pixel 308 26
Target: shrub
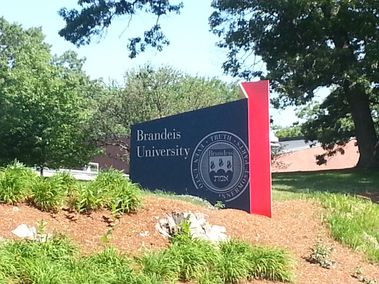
pixel 110 190
pixel 200 261
pixel 269 263
pixel 109 180
pixel 15 183
pixel 184 260
pixel 87 199
pixel 58 261
pixel 68 183
pixel 126 199
pixel 48 194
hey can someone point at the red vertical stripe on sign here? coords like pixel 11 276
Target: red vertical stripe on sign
pixel 259 146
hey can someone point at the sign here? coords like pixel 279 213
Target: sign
pixel 210 153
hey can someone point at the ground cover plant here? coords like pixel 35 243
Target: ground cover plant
pixel 186 259
pixel 110 190
pixel 350 181
pixel 16 183
pixel 354 222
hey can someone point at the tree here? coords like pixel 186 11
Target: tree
pixel 306 45
pixel 44 112
pixel 95 16
pixel 149 94
pixel 293 131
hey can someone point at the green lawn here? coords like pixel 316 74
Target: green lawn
pixel 339 181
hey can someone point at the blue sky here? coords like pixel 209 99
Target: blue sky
pixel 192 46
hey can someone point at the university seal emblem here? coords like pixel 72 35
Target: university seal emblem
pixel 220 163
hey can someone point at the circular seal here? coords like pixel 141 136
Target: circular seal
pixel 220 163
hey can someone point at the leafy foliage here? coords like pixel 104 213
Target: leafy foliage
pixel 109 190
pixel 94 17
pixel 306 45
pixel 288 132
pixel 43 102
pixel 49 194
pixel 58 261
pixel 189 259
pixel 320 254
pixel 150 94
pixel 16 182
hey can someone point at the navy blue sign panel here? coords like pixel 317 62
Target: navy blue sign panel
pixel 202 153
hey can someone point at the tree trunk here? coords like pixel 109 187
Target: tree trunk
pixel 364 127
pixel 41 171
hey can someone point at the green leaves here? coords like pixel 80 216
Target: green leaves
pixel 233 261
pixel 150 94
pixel 16 182
pixel 94 17
pixel 110 190
pixel 306 45
pixel 43 102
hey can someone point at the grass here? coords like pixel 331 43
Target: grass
pixel 352 220
pixel 189 259
pixel 109 190
pixel 58 261
pixel 339 181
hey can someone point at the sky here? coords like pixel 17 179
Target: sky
pixel 192 46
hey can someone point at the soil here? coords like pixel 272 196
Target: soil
pixel 296 225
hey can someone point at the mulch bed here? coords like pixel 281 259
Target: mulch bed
pixel 296 225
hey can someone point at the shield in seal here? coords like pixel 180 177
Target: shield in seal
pixel 220 166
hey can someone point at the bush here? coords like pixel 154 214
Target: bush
pixel 15 183
pixel 109 190
pixel 87 199
pixel 200 261
pixel 126 199
pixel 48 194
pixel 58 261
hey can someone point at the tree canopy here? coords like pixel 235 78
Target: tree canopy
pixel 43 102
pixel 306 45
pixel 94 17
pixel 303 44
pixel 150 93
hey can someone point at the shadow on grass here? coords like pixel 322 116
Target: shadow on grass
pixel 363 183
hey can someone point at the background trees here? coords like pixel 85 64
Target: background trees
pixel 150 93
pixel 303 44
pixel 307 45
pixel 54 115
pixel 43 102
